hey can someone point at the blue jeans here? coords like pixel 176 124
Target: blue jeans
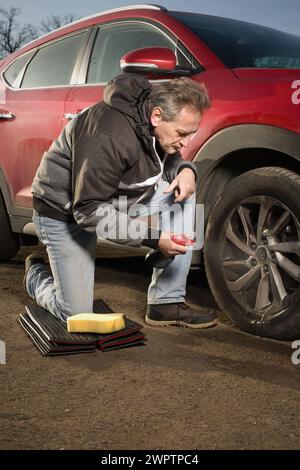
pixel 71 250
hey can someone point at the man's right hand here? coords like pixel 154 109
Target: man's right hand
pixel 168 247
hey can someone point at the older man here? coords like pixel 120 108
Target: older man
pixel 126 148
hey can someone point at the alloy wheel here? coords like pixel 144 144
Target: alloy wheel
pixel 261 256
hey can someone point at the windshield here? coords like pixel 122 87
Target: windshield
pixel 242 45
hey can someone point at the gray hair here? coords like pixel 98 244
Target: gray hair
pixel 173 95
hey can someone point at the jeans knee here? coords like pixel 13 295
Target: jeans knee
pixel 60 310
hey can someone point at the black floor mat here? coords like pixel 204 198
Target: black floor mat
pixel 50 335
pixel 47 348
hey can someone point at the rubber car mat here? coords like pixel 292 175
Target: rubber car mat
pixel 51 337
pixel 127 345
pixel 136 337
pixel 47 348
pixel 55 331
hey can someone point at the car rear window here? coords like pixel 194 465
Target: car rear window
pixel 53 64
pixel 239 44
pixel 13 73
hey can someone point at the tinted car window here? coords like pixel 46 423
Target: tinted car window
pixel 14 72
pixel 113 41
pixel 53 65
pixel 241 44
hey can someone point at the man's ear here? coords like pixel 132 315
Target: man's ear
pixel 155 116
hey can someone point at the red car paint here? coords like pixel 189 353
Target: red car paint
pixel 239 96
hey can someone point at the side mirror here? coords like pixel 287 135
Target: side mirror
pixel 153 62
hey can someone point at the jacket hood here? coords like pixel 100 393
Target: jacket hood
pixel 127 93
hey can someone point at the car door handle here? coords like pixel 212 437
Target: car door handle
pixel 70 116
pixel 7 116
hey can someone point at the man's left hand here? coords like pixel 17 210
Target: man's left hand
pixel 184 185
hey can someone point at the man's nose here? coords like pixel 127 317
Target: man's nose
pixel 184 141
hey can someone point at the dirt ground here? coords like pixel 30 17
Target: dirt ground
pixel 185 389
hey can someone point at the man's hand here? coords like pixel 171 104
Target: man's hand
pixel 184 185
pixel 168 247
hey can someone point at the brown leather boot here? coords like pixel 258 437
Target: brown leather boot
pixel 180 314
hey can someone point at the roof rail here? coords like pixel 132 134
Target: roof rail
pixel 100 13
pixel 146 6
pixel 129 7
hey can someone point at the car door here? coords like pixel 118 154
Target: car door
pixel 35 106
pixel 108 43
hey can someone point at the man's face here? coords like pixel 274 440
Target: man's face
pixel 174 135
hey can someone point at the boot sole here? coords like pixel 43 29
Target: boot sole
pixel 197 326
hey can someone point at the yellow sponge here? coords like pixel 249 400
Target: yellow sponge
pixel 95 323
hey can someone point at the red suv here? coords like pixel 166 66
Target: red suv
pixel 247 147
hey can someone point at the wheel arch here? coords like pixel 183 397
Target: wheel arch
pixel 254 146
pixel 5 191
pixel 17 216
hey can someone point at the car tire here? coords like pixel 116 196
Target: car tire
pixel 9 242
pixel 252 252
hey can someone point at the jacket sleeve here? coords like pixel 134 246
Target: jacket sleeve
pixel 174 164
pixel 98 164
